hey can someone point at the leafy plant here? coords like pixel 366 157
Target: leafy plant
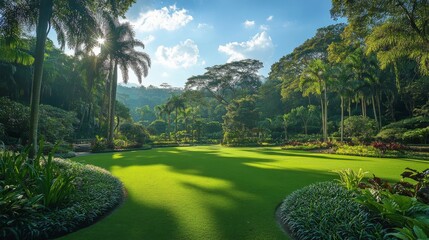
pixel 407 233
pixel 54 185
pixel 327 211
pixel 350 179
pixel 397 210
pixel 421 189
pixel 17 213
pixel 99 144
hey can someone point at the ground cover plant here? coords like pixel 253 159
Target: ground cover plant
pixel 45 197
pixel 213 192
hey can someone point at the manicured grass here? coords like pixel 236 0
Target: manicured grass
pixel 213 192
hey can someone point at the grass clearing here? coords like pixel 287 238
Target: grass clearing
pixel 213 192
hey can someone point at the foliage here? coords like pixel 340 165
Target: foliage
pixel 135 132
pixel 29 187
pixel 38 176
pixel 240 119
pixel 18 213
pixel 408 233
pixel 362 128
pixel 96 193
pixel 397 210
pixel 228 81
pixel 379 150
pixel 310 145
pixel 157 127
pixel 327 211
pixel 14 118
pixel 350 179
pixel 99 144
pixel 411 130
pixel 56 124
pixel 393 31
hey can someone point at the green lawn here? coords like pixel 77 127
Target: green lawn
pixel 213 192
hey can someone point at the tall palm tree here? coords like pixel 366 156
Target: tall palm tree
pixel 177 103
pixel 118 51
pixel 73 21
pixel 313 80
pixel 343 85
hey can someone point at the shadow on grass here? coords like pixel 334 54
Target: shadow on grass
pixel 203 192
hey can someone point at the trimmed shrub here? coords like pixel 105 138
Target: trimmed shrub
pixel 135 132
pixel 327 211
pixel 410 130
pixel 359 127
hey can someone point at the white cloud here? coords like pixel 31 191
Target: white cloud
pixel 258 46
pixel 183 55
pixel 270 18
pixel 264 28
pixel 204 26
pixel 169 19
pixel 249 24
pixel 148 39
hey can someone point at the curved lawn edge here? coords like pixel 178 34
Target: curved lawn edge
pixel 97 195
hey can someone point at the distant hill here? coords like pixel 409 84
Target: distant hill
pixel 137 97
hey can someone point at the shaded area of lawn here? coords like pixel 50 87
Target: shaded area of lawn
pixel 212 192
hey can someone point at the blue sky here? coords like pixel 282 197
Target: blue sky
pixel 184 37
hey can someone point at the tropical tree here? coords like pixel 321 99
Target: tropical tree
pixel 313 80
pixel 177 104
pixel 118 52
pixel 394 29
pixel 74 23
pixel 228 81
pixel 304 115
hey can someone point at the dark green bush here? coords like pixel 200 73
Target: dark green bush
pixel 15 119
pixel 135 132
pixel 99 144
pixel 157 127
pixel 410 130
pixel 327 211
pixel 359 127
pixel 55 124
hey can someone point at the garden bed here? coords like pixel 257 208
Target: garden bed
pixel 96 194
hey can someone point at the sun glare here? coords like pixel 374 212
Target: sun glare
pixel 100 40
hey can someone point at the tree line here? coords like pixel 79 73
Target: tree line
pixel 364 79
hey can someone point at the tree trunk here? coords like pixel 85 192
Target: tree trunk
pixel 379 109
pixel 342 119
pixel 112 105
pixel 45 13
pixel 175 126
pixel 118 121
pixel 109 96
pixel 168 126
pixel 349 107
pixel 375 112
pixel 325 133
pixel 323 116
pixel 363 105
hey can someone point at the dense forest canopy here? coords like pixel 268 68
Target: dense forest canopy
pixel 372 70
